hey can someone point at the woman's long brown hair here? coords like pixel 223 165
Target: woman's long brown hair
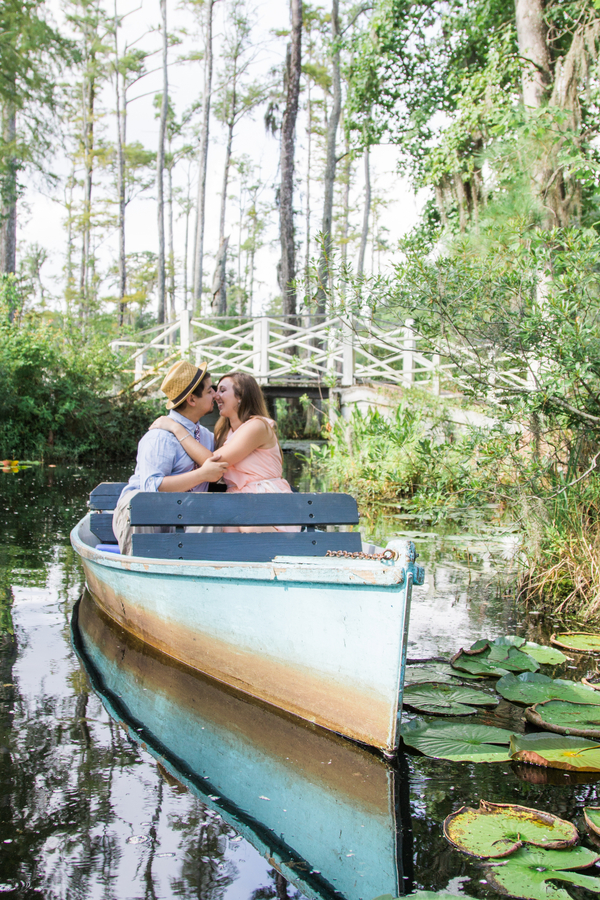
pixel 252 403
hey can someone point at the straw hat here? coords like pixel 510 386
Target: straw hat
pixel 181 379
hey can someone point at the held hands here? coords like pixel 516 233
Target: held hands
pixel 213 468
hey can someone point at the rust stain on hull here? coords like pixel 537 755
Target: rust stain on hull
pixel 321 756
pixel 360 716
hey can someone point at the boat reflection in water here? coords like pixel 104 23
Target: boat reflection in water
pixel 332 824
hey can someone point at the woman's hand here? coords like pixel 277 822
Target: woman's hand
pixel 165 423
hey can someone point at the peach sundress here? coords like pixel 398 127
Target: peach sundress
pixel 259 473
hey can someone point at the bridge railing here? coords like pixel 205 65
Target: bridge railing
pixel 310 349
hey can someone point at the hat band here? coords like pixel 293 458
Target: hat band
pixel 188 390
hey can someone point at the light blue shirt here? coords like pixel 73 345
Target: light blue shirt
pixel 161 454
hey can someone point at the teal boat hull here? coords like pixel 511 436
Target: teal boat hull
pixel 325 812
pixel 323 639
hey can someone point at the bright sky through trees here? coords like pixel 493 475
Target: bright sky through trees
pixel 42 210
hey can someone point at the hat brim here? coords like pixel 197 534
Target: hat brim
pixel 173 404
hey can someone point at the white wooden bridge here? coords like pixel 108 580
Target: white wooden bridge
pixel 318 355
pixel 316 352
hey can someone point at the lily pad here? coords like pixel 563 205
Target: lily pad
pixel 441 673
pixel 457 741
pixel 592 818
pixel 557 751
pixel 531 687
pixel 499 654
pixel 566 718
pixel 477 667
pixel 498 829
pixel 445 699
pixel 579 641
pixel 545 655
pixel 527 873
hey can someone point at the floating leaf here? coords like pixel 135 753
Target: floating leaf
pixel 592 818
pixel 458 741
pixel 498 829
pixel 530 687
pixel 446 699
pixel 578 641
pixel 477 667
pixel 557 751
pixel 501 655
pixel 441 673
pixel 566 718
pixel 550 656
pixel 527 872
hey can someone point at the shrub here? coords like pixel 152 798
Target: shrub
pixel 60 398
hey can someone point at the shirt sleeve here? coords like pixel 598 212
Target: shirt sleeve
pixel 156 458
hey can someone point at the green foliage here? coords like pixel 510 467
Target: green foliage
pixel 57 396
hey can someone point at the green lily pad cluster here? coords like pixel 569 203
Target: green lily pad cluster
pixel 570 711
pixel 525 850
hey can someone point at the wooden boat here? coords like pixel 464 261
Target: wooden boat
pixel 322 638
pixel 330 815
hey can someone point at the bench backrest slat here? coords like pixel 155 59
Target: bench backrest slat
pixel 101 524
pixel 242 547
pixel 243 509
pixel 105 496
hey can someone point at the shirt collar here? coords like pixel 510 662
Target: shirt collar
pixel 182 420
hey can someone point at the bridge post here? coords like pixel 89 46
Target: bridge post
pixel 260 345
pixel 436 374
pixel 410 345
pixel 348 356
pixel 139 367
pixel 184 332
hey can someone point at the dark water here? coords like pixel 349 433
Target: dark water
pixel 94 805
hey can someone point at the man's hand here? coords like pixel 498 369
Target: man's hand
pixel 212 469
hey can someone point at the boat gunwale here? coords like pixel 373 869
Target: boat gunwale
pixel 339 572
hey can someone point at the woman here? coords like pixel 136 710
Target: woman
pixel 245 438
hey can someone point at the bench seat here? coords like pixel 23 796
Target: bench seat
pixel 171 513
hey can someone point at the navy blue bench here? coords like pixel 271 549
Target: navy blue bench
pixel 311 511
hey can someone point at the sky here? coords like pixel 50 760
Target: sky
pixel 42 212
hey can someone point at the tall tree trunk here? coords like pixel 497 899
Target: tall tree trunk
pixel 219 286
pixel 198 262
pixel 171 265
pixel 364 235
pixel 308 172
pixel 287 268
pixel 160 167
pixel 8 226
pixel 121 138
pixel 89 99
pixel 533 50
pixel 536 78
pixel 347 178
pixel 219 301
pixel 324 269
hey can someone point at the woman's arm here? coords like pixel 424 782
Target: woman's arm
pixel 211 470
pixel 252 435
pixel 195 450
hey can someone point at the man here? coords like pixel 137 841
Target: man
pixel 162 463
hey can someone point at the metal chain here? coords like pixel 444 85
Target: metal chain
pixel 386 556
